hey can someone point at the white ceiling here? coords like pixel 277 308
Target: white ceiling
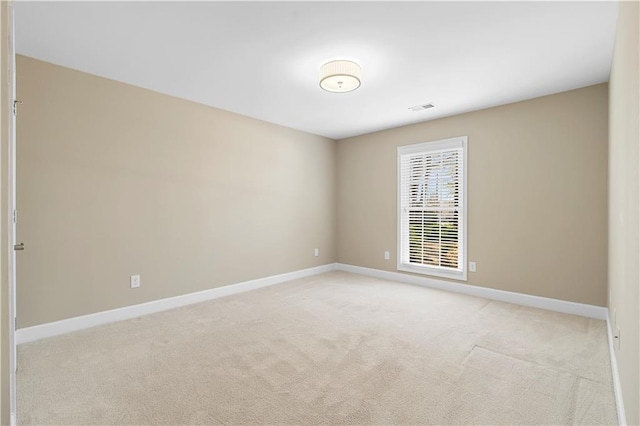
pixel 262 59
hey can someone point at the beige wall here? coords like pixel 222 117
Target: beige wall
pixel 624 193
pixel 537 194
pixel 115 180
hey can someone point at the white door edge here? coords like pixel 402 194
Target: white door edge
pixel 12 223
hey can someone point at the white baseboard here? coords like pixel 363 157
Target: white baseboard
pixel 590 311
pixel 30 334
pixel 37 332
pixel 617 387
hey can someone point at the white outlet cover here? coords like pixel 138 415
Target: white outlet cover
pixel 387 256
pixel 472 266
pixel 316 252
pixel 135 281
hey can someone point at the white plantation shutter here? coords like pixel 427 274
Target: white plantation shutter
pixel 432 208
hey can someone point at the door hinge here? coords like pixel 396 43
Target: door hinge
pixel 15 216
pixel 15 323
pixel 15 106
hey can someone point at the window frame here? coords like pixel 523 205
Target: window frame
pixel 426 147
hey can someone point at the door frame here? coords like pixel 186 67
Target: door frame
pixel 12 214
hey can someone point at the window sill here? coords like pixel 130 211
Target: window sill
pixel 434 272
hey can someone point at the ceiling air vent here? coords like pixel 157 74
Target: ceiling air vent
pixel 422 107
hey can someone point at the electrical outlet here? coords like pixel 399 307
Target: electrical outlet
pixel 472 266
pixel 387 255
pixel 316 252
pixel 135 281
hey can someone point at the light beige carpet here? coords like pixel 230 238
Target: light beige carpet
pixel 335 348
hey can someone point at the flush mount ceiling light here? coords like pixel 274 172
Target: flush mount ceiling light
pixel 340 76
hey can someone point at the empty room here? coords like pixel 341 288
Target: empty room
pixel 320 213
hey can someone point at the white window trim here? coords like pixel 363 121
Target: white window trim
pixel 443 144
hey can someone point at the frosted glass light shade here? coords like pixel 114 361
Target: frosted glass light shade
pixel 340 76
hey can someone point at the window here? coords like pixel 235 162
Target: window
pixel 432 208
